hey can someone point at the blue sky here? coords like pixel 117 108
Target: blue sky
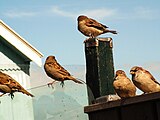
pixel 51 27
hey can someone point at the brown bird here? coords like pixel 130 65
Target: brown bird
pixel 123 85
pixel 55 71
pixel 144 80
pixel 91 28
pixel 9 85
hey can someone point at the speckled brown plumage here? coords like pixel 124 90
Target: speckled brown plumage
pixel 9 85
pixel 91 28
pixel 123 85
pixel 144 80
pixel 55 71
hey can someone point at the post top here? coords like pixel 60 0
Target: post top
pixel 90 42
pixel 107 39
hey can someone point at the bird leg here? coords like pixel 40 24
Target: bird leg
pixel 12 95
pixel 62 84
pixel 90 37
pixel 51 84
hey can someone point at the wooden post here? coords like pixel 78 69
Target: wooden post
pixel 99 67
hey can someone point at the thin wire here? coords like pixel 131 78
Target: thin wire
pixel 40 86
pixel 47 85
pixel 32 88
pixel 37 87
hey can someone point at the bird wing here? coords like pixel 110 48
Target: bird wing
pixel 4 89
pixel 11 84
pixel 15 86
pixel 152 78
pixel 60 69
pixel 9 81
pixel 93 23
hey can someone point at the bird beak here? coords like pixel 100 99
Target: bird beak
pixel 132 72
pixel 115 77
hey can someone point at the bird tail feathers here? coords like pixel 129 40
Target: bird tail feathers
pixel 75 80
pixel 112 31
pixel 26 92
pixel 80 81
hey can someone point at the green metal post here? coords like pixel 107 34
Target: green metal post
pixel 99 67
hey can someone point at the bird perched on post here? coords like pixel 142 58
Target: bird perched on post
pixel 144 80
pixel 55 71
pixel 123 85
pixel 9 85
pixel 91 28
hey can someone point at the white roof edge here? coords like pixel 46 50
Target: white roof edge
pixel 20 43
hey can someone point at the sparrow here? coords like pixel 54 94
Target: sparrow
pixel 123 85
pixel 9 85
pixel 91 28
pixel 55 71
pixel 144 80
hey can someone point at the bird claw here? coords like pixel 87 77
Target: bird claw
pixel 85 41
pixel 88 39
pixel 51 84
